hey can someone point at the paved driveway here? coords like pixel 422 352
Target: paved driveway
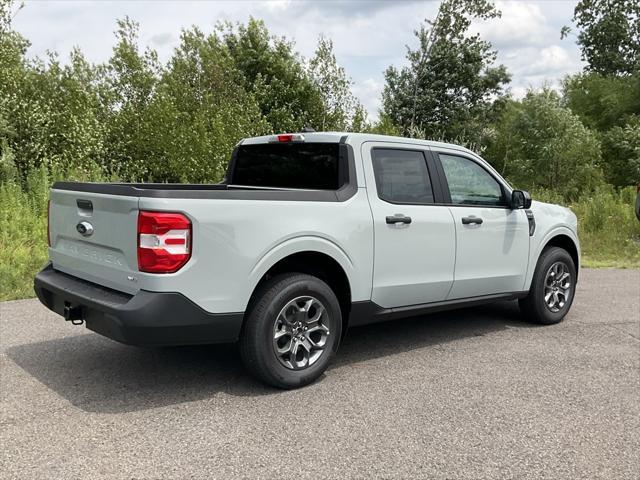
pixel 469 394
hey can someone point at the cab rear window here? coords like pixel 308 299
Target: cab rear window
pixel 313 166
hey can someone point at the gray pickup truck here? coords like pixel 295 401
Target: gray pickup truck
pixel 309 234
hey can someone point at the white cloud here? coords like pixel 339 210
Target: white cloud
pixel 369 92
pixel 521 23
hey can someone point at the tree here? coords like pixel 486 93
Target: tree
pixel 448 88
pixel 275 75
pixel 128 85
pixel 609 35
pixel 49 112
pixel 541 144
pixel 610 105
pixel 341 109
pixel 200 111
pixel 621 145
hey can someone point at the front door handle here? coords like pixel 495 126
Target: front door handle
pixel 471 219
pixel 398 218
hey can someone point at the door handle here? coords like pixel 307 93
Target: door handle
pixel 471 219
pixel 398 218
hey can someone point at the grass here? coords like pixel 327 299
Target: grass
pixel 23 229
pixel 609 231
pixel 607 226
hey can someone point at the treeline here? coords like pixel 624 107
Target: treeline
pixel 136 118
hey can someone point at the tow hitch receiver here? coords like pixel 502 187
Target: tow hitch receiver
pixel 73 314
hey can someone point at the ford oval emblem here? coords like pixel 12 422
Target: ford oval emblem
pixel 85 229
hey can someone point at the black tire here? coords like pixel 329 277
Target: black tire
pixel 533 307
pixel 257 338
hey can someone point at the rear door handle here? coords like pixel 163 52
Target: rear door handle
pixel 471 219
pixel 398 218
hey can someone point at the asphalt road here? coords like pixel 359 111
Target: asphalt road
pixel 471 394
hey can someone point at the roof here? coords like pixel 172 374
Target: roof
pixel 357 138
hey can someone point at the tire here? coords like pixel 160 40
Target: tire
pixel 267 318
pixel 535 307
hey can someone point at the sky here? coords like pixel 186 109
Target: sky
pixel 368 36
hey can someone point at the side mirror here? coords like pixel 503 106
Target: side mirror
pixel 520 199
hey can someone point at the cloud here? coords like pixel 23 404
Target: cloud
pixel 527 39
pixel 521 24
pixel 369 92
pixel 161 39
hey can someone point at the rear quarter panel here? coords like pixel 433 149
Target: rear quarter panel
pixel 236 241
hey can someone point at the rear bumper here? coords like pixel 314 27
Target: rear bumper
pixel 146 318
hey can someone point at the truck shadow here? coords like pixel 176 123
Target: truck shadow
pixel 98 375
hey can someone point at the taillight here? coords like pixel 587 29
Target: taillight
pixel 164 241
pixel 49 222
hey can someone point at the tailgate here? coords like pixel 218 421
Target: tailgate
pixel 106 253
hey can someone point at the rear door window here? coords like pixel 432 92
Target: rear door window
pixel 402 176
pixel 314 166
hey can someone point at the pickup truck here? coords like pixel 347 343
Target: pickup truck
pixel 307 235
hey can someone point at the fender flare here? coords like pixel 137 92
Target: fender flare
pixel 299 244
pixel 534 255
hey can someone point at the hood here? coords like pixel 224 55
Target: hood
pixel 556 214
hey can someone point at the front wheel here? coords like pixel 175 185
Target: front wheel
pixel 291 331
pixel 552 288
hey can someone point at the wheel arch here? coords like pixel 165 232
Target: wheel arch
pixel 561 237
pixel 322 259
pixel 565 242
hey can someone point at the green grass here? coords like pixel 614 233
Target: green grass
pixel 609 230
pixel 607 226
pixel 23 229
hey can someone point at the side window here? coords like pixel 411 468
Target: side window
pixel 402 176
pixel 469 183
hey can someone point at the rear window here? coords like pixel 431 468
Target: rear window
pixel 313 166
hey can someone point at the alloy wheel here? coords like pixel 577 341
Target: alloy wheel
pixel 557 287
pixel 300 332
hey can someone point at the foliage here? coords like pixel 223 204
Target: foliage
pixel 607 226
pixel 275 75
pixel 23 227
pixel 142 120
pixel 341 109
pixel 541 144
pixel 611 107
pixel 609 35
pixel 447 90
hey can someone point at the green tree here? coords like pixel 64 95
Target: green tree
pixel 609 35
pixel 128 84
pixel 447 91
pixel 610 105
pixel 341 109
pixel 201 111
pixel 621 152
pixel 275 75
pixel 541 144
pixel 49 112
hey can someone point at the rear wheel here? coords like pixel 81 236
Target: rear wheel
pixel 552 288
pixel 291 331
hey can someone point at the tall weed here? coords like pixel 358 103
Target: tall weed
pixel 23 227
pixel 607 226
